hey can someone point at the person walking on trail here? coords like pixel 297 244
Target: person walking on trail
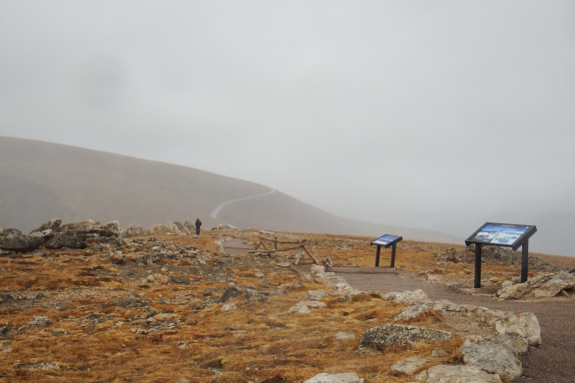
pixel 198 225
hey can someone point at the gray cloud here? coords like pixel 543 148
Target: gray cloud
pixel 367 108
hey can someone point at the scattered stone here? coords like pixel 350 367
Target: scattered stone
pixel 39 321
pixel 315 295
pixel 40 366
pixel 303 307
pixel 346 377
pixel 340 335
pixel 495 358
pixel 283 264
pixel 183 345
pixel 380 338
pixel 327 262
pixel 408 366
pixel 231 293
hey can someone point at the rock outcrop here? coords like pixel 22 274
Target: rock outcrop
pixel 53 236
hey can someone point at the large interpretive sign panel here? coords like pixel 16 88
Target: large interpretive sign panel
pixel 502 234
pixel 386 240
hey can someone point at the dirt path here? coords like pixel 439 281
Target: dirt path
pixel 237 246
pixel 552 362
pixel 216 211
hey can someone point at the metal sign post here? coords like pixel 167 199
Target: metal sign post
pixel 504 235
pixel 386 241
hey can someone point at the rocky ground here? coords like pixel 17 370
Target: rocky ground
pixel 180 308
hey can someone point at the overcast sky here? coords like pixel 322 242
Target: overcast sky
pixel 364 108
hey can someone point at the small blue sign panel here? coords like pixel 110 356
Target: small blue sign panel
pixel 502 234
pixel 385 240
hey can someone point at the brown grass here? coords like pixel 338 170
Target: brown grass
pixel 95 306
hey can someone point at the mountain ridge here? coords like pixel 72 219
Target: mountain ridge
pixel 41 180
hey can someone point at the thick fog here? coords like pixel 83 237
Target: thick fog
pixel 436 114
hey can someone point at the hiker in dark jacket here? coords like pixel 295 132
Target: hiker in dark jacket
pixel 198 225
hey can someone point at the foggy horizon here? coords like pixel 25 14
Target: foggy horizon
pixel 433 115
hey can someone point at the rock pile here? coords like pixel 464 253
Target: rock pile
pixel 53 236
pixel 174 227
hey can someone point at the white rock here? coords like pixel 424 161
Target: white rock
pixel 524 325
pixel 340 335
pixel 408 366
pixel 412 312
pixel 407 297
pixel 346 377
pixel 456 374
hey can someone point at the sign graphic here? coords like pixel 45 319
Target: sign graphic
pixel 499 233
pixel 385 240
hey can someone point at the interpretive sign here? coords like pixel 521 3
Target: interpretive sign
pixel 502 234
pixel 386 241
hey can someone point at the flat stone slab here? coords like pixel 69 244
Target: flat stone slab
pixel 380 338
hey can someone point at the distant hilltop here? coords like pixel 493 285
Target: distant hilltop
pixel 40 181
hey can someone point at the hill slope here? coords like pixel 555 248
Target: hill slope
pixel 40 181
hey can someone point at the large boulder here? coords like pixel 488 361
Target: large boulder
pixel 494 358
pixel 524 325
pixel 92 228
pixel 14 240
pixel 456 374
pixel 380 338
pixel 520 290
pixel 551 288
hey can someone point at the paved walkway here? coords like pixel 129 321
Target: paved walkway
pixel 552 362
pixel 237 246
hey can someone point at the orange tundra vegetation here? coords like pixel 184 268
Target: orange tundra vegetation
pixel 197 314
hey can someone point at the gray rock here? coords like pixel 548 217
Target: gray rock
pixel 380 338
pixel 495 358
pixel 515 342
pixel 61 240
pixel 412 312
pixel 231 293
pixel 524 325
pixel 53 224
pixel 346 377
pixel 340 335
pixel 408 366
pixel 456 374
